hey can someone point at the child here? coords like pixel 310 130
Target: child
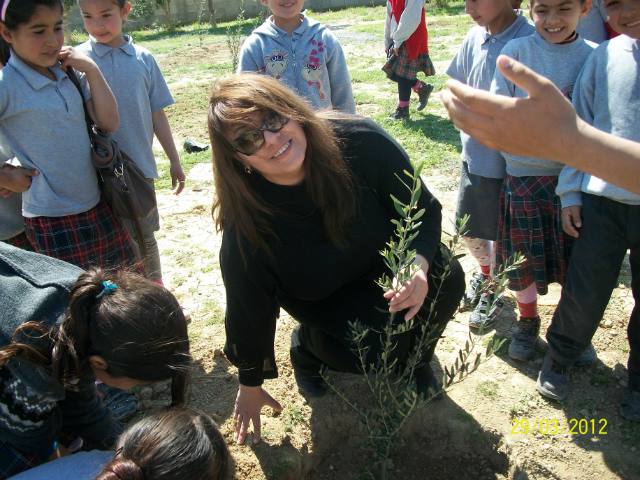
pixel 603 217
pixel 594 27
pixel 406 44
pixel 302 53
pixel 42 119
pixel 61 329
pixel 482 168
pixel 142 94
pixel 530 213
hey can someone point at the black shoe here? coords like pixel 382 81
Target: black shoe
pixel 523 345
pixel 191 146
pixel 423 94
pixel 401 113
pixel 553 379
pixel 630 405
pixel 427 384
pixel 588 357
pixel 311 386
pixel 122 403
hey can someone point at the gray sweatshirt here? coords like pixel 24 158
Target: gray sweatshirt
pixel 559 63
pixel 607 96
pixel 310 62
pixel 593 26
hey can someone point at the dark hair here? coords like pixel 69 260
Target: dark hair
pixel 328 180
pixel 20 12
pixel 177 444
pixel 138 328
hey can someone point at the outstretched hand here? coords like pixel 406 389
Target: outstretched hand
pixel 412 294
pixel 249 403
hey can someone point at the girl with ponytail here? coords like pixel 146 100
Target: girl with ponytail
pixel 61 329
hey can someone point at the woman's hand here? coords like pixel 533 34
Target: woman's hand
pixel 249 403
pixel 412 293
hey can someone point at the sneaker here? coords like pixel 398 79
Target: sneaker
pixel 479 315
pixel 122 403
pixel 630 405
pixel 553 379
pixel 588 357
pixel 423 94
pixel 191 146
pixel 427 383
pixel 522 346
pixel 472 296
pixel 401 113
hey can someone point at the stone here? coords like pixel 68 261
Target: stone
pixel 613 333
pixel 633 449
pixel 538 361
pixel 217 352
pixel 331 467
pixel 146 393
pixel 147 404
pixel 608 324
pixel 228 377
pixel 584 412
pixel 623 383
pixel 196 187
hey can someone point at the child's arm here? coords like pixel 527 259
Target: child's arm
pixel 246 60
pixel 162 129
pixel 409 21
pixel 339 80
pixel 102 105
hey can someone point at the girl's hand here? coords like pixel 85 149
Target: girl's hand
pixel 249 402
pixel 70 57
pixel 412 293
pixel 15 179
pixel 572 220
pixel 177 178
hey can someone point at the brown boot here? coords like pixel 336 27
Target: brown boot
pixel 423 94
pixel 401 113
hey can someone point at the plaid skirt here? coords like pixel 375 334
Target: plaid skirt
pixel 12 462
pixel 20 241
pixel 95 238
pixel 400 65
pixel 530 223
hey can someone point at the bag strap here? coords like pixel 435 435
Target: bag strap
pixel 71 73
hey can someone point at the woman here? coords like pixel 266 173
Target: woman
pixel 61 329
pixel 304 205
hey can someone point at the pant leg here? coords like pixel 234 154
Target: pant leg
pixel 633 330
pixel 312 346
pixel 404 88
pixel 592 275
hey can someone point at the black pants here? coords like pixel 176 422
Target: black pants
pixel 609 229
pixel 322 338
pixel 404 88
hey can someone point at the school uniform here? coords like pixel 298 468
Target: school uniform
pixel 482 168
pixel 530 212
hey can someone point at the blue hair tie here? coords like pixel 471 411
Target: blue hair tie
pixel 108 288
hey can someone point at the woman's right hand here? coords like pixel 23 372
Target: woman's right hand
pixel 249 403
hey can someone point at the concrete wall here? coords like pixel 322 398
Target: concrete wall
pixel 188 10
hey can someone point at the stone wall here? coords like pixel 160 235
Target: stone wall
pixel 188 10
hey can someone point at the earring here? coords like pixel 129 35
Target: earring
pixel 247 169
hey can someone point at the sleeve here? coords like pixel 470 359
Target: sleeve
pixel 339 79
pixel 383 162
pixel 159 95
pixel 252 310
pixel 457 68
pixel 387 28
pixel 246 60
pixel 409 21
pixel 570 181
pixel 84 85
pixel 499 84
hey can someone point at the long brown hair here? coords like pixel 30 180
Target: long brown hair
pixel 177 444
pixel 328 180
pixel 138 328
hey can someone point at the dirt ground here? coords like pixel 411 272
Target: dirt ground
pixel 474 432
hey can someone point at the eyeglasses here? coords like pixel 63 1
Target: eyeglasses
pixel 250 142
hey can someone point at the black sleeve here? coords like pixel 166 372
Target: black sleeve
pixel 252 310
pixel 380 161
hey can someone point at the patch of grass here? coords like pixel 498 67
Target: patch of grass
pixel 488 388
pixel 624 348
pixel 207 268
pixel 194 335
pixel 630 433
pixel 214 312
pixel 600 379
pixel 292 415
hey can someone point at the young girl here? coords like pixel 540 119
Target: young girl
pixel 530 213
pixel 61 329
pixel 142 95
pixel 406 44
pixel 42 118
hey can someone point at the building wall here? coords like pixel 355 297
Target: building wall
pixel 188 10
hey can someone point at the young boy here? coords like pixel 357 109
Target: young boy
pixel 302 53
pixel 482 168
pixel 530 211
pixel 604 218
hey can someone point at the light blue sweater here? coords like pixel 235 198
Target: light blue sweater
pixel 559 63
pixel 607 96
pixel 310 62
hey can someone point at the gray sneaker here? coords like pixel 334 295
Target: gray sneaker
pixel 523 345
pixel 553 380
pixel 479 317
pixel 588 357
pixel 473 293
pixel 630 405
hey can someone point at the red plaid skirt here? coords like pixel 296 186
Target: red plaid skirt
pixel 20 241
pixel 400 65
pixel 531 223
pixel 95 238
pixel 12 462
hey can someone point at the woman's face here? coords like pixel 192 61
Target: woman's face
pixel 280 160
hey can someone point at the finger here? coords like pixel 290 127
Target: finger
pixel 257 429
pixel 30 172
pixel 413 311
pixel 244 427
pixel 179 189
pixel 273 403
pixel 569 229
pixel 5 192
pixel 522 76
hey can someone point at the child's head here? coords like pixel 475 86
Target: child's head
pixel 176 444
pixel 556 20
pixel 491 13
pixel 103 19
pixel 286 13
pixel 624 16
pixel 33 29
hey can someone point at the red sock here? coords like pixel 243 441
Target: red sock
pixel 528 310
pixel 486 270
pixel 403 104
pixel 417 86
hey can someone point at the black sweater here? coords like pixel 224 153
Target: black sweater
pixel 305 268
